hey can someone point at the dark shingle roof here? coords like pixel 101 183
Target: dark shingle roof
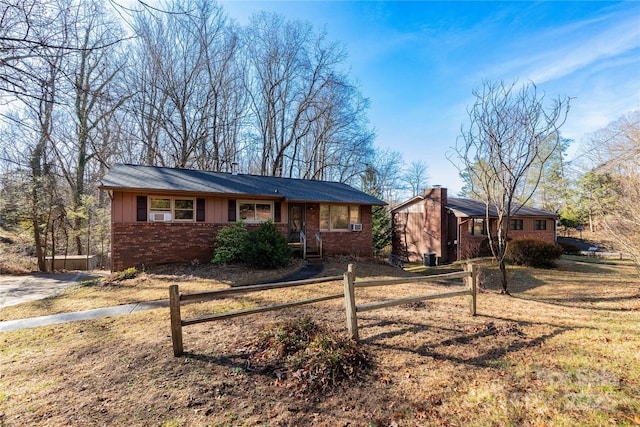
pixel 470 207
pixel 135 177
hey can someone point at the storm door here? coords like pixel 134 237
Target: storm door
pixel 296 221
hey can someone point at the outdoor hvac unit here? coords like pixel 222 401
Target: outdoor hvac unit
pixel 159 217
pixel 355 227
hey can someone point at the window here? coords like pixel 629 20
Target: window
pixel 477 227
pixel 338 217
pixel 254 211
pixel 541 224
pixel 181 210
pixel 160 205
pixel 516 224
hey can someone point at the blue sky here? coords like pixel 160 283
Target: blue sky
pixel 418 62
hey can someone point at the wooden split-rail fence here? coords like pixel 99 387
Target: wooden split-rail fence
pixel 350 284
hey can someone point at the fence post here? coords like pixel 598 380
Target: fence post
pixel 473 287
pixel 350 303
pixel 176 321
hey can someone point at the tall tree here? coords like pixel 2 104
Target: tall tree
pixel 189 101
pixel 508 140
pixel 416 177
pixel 35 43
pixel 553 183
pixel 95 96
pixel 292 81
pixel 30 34
pixel 617 151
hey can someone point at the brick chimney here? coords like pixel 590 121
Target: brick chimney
pixel 435 221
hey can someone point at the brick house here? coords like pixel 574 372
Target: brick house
pixel 451 229
pixel 161 215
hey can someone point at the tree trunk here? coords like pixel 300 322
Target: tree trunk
pixel 503 278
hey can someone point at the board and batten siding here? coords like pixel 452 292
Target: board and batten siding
pixel 124 207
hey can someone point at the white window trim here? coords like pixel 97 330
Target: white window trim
pixel 172 207
pixel 254 202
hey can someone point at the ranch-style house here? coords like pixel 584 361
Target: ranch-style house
pixel 162 215
pixel 436 229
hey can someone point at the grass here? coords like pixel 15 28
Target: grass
pixel 149 285
pixel 563 351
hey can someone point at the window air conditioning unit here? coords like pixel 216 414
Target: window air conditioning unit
pixel 355 227
pixel 159 217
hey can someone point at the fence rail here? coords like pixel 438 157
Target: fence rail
pixel 176 299
pixel 350 284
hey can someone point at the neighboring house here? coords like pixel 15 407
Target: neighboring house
pixel 161 215
pixel 450 229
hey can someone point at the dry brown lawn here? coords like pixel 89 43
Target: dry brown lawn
pixel 563 351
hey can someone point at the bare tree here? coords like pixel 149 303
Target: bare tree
pixel 383 177
pixel 95 98
pixel 292 77
pixel 416 176
pixel 617 151
pixel 29 35
pixel 34 46
pixel 189 100
pixel 509 138
pixel 339 143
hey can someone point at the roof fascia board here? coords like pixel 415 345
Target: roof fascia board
pixel 408 203
pixel 154 191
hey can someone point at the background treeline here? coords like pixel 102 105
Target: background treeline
pixel 86 84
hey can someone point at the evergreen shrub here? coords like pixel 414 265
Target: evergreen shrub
pixel 533 253
pixel 230 243
pixel 266 247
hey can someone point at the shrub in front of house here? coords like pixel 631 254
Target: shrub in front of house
pixel 533 253
pixel 230 244
pixel 266 247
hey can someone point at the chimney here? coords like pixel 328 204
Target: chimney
pixel 435 221
pixel 234 168
pixel 437 193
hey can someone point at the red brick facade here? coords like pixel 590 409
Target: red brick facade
pixel 135 244
pixel 139 244
pixel 424 225
pixel 354 243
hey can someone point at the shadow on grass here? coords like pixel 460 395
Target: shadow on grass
pixel 519 280
pixel 580 302
pixel 522 279
pixel 488 357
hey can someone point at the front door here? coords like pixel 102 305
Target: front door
pixel 296 221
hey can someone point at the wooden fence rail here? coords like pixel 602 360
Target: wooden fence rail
pixel 469 274
pixel 175 300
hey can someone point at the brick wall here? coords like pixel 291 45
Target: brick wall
pixel 355 243
pixel 469 245
pixel 546 235
pixel 138 244
pixel 435 222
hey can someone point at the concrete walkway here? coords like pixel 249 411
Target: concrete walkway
pixel 30 287
pixel 22 292
pixel 34 322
